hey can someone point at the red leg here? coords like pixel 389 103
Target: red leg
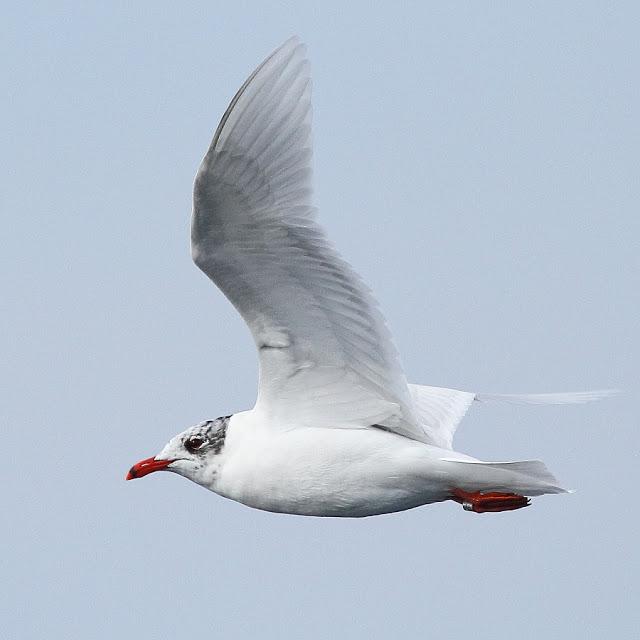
pixel 489 502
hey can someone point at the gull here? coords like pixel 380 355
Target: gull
pixel 336 430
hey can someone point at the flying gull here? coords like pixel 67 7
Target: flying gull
pixel 336 430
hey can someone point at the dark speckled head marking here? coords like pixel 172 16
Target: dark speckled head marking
pixel 209 436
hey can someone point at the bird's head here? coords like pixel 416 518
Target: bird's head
pixel 191 454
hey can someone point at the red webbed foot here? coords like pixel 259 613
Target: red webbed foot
pixel 489 502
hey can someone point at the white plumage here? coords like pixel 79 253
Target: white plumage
pixel 254 234
pixel 336 429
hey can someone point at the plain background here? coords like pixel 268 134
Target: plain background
pixel 476 162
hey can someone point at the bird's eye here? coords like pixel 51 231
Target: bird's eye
pixel 193 443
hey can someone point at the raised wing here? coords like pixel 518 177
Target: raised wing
pixel 326 356
pixel 440 410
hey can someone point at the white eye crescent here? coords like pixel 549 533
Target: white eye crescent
pixel 193 443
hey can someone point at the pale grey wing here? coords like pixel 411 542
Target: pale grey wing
pixel 326 356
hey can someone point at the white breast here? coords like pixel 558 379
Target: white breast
pixel 325 472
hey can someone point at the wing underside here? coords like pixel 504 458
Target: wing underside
pixel 326 355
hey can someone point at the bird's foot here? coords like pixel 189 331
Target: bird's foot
pixel 489 502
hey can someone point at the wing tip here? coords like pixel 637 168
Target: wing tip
pixel 569 397
pixel 291 46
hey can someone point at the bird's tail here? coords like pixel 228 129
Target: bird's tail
pixel 524 477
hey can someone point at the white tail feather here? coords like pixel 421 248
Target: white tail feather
pixel 526 477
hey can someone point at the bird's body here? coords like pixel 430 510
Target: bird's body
pixel 326 471
pixel 336 429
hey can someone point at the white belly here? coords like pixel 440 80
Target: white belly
pixel 331 472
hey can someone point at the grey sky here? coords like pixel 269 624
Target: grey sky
pixel 476 162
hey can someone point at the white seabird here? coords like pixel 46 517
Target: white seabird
pixel 335 430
